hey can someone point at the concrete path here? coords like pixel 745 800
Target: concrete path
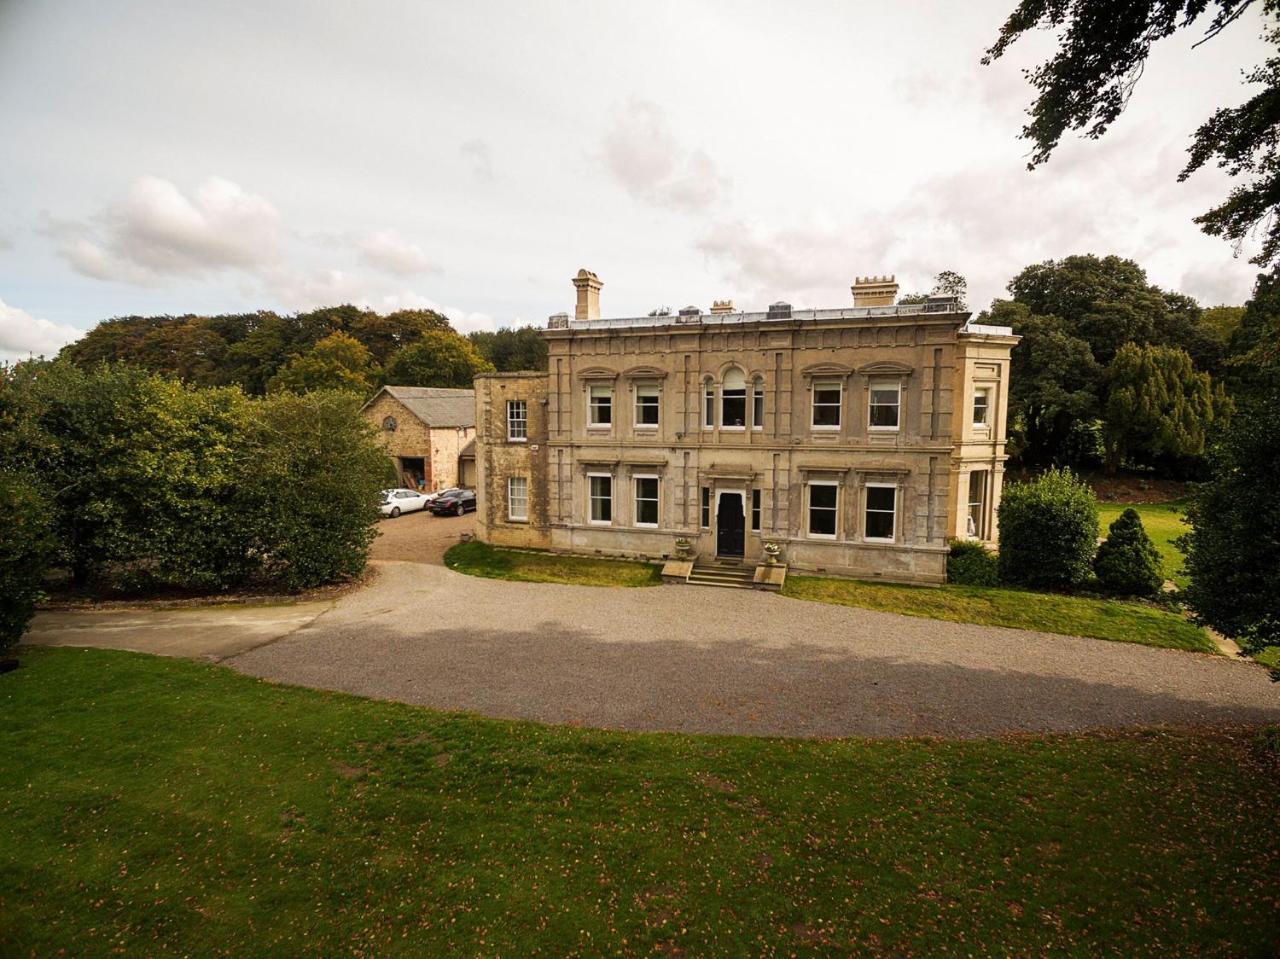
pixel 699 659
pixel 208 632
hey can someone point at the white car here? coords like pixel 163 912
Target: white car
pixel 397 501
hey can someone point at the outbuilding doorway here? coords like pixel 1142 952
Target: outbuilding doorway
pixel 730 523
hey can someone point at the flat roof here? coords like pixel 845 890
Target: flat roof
pixel 769 316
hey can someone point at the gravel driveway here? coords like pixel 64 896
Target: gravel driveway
pixel 699 659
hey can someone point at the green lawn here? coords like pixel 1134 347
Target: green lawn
pixel 1124 621
pixel 164 807
pixel 481 559
pixel 1163 523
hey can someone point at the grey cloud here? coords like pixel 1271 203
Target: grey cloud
pixel 159 231
pixel 23 335
pixel 386 250
pixel 643 155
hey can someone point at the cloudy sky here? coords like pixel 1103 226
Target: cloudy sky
pixel 161 156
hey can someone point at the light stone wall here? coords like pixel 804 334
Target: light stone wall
pixel 498 457
pixel 927 459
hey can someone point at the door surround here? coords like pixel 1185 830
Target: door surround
pixel 741 496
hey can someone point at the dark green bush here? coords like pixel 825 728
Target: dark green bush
pixel 1128 562
pixel 972 564
pixel 1048 531
pixel 26 546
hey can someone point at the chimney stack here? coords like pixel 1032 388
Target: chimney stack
pixel 588 287
pixel 721 306
pixel 874 290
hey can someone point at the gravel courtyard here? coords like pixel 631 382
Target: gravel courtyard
pixel 698 659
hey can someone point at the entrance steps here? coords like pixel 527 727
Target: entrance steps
pixel 727 574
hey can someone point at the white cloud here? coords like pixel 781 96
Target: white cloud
pixel 159 231
pixel 646 158
pixel 464 321
pixel 388 251
pixel 479 156
pixel 23 335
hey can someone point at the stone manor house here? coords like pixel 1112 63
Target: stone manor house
pixel 853 441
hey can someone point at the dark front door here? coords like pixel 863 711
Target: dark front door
pixel 729 525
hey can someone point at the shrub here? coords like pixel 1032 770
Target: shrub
pixel 1127 562
pixel 26 547
pixel 972 564
pixel 1048 531
pixel 310 487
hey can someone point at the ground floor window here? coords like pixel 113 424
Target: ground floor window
pixel 822 509
pixel 755 511
pixel 517 498
pixel 600 492
pixel 705 521
pixel 646 500
pixel 977 525
pixel 882 503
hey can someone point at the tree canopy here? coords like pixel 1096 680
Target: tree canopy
pixel 1102 48
pixel 338 362
pixel 438 358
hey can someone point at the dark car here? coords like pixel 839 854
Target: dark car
pixel 453 502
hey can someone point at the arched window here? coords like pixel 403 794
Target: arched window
pixel 733 400
pixel 757 404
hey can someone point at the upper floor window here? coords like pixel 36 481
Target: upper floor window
pixel 708 406
pixel 826 405
pixel 600 494
pixel 517 420
pixel 646 489
pixel 823 498
pixel 600 406
pixel 757 404
pixel 882 503
pixel 647 406
pixel 982 406
pixel 517 498
pixel 884 406
pixel 733 401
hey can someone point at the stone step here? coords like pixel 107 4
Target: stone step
pixel 732 577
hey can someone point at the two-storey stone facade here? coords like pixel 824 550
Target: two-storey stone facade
pixel 859 440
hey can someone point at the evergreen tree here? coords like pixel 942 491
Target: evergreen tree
pixel 1128 562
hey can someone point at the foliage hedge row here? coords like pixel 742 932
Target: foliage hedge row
pixel 155 483
pixel 972 564
pixel 26 547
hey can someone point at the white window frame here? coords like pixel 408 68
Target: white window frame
pixel 986 393
pixel 512 515
pixel 592 424
pixel 757 404
pixel 647 389
pixel 981 502
pixel 704 507
pixel 591 500
pixel 884 384
pixel 635 499
pixel 522 421
pixel 866 509
pixel 708 406
pixel 808 512
pixel 813 405
pixel 745 398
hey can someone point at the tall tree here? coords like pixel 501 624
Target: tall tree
pixel 511 350
pixel 439 358
pixel 1054 384
pixel 338 362
pixel 1102 48
pixel 1158 403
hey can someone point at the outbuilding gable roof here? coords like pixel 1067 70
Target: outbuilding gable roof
pixel 434 405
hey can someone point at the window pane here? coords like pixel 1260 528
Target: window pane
pixel 733 408
pixel 517 497
pixel 826 405
pixel 757 408
pixel 881 501
pixel 517 419
pixel 884 406
pixel 980 407
pixel 602 499
pixel 647 406
pixel 706 507
pixel 822 510
pixel 709 408
pixel 601 406
pixel 647 500
pixel 755 510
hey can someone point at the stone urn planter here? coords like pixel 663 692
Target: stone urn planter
pixel 684 547
pixel 772 553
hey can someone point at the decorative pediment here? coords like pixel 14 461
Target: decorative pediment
pixel 597 373
pixel 645 373
pixel 819 370
pixel 886 368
